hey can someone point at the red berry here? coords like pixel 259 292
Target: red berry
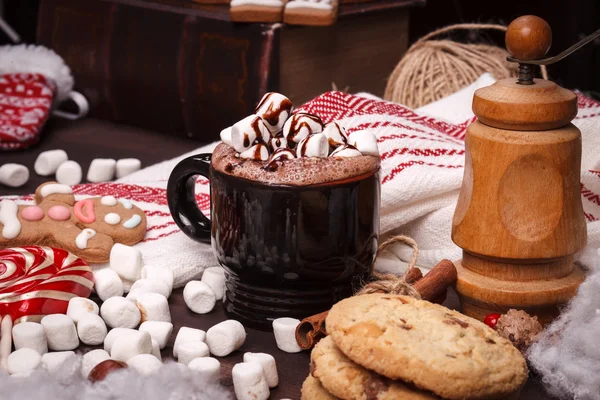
pixel 491 320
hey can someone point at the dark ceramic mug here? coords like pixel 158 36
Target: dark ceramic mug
pixel 288 251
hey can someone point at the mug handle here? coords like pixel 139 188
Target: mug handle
pixel 181 196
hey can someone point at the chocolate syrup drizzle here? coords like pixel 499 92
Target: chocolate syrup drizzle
pixel 272 113
pixel 297 123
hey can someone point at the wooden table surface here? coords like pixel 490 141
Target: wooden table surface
pixel 88 139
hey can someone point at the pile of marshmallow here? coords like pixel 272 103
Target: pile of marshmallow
pixel 68 172
pixel 273 133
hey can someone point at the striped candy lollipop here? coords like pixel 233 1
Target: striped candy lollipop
pixel 36 281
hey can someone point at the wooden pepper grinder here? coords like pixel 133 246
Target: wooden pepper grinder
pixel 519 217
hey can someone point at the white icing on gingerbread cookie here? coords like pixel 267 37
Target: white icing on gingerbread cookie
pixel 126 203
pixel 8 218
pixel 132 222
pixel 112 218
pixel 108 201
pixel 319 4
pixel 81 240
pixel 55 188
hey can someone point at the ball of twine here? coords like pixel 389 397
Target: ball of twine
pixel 433 69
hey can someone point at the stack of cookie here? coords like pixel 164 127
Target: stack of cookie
pixel 396 347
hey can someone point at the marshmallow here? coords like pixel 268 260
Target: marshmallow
pixel 278 143
pixel 91 329
pixel 91 359
pixel 365 142
pixel 69 173
pixel 285 334
pixel 60 332
pixel 258 152
pixel 53 361
pixel 345 151
pixel 153 307
pixel 101 170
pixel 48 162
pixel 225 337
pixel 226 136
pixel 147 286
pixel 268 364
pixel 199 297
pixel 189 350
pixel 336 135
pixel 145 364
pixel 207 368
pixel 246 132
pixel 215 278
pixel 156 350
pixel 163 274
pixel 114 334
pixel 313 146
pixel 127 261
pixel 80 307
pixel 118 312
pixel 300 126
pixel 249 381
pixel 277 156
pixel 127 346
pixel 126 166
pixel 186 334
pixel 5 341
pixel 23 360
pixel 107 283
pixel 158 330
pixel 13 175
pixel 30 335
pixel 274 109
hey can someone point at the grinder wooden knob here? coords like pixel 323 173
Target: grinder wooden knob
pixel 528 38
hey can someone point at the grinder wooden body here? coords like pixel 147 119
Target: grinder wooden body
pixel 519 217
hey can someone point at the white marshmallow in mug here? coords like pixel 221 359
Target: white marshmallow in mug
pixel 114 334
pixel 13 175
pixel 206 368
pixel 153 307
pixel 345 151
pixel 215 278
pixel 69 173
pixel 258 152
pixel 156 350
pixel 127 261
pixel 300 126
pixel 23 360
pixel 158 330
pixel 278 143
pixel 190 350
pixel 274 109
pixel 145 364
pixel 107 283
pixel 91 359
pixel 285 334
pixel 269 366
pixel 226 136
pixel 199 297
pixel 53 361
pixel 118 312
pixel 127 346
pixel 365 142
pixel 30 335
pixel 102 170
pixel 225 337
pixel 245 132
pixel 249 382
pixel 126 166
pixel 186 334
pixel 60 332
pixel 91 329
pixel 47 162
pixel 313 146
pixel 280 155
pixel 163 274
pixel 336 135
pixel 80 307
pixel 147 286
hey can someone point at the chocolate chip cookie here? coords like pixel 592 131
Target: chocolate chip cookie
pixel 312 390
pixel 348 380
pixel 426 344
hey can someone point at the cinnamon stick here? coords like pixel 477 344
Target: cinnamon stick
pixel 435 284
pixel 311 330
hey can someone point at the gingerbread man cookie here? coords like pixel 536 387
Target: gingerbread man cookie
pixel 87 228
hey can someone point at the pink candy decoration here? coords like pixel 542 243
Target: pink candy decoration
pixel 59 213
pixel 32 213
